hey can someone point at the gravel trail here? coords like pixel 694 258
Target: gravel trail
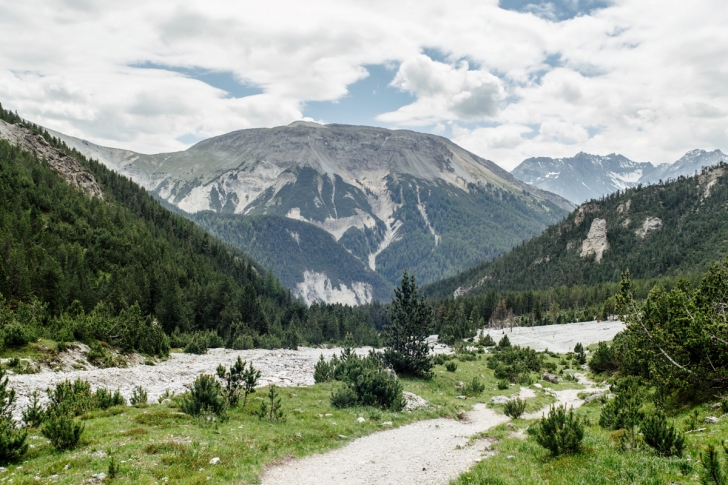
pixel 423 453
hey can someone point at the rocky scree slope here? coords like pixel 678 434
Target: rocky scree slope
pixel 674 228
pixel 391 199
pixel 585 177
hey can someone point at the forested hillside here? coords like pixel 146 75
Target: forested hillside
pixel 669 229
pixel 74 266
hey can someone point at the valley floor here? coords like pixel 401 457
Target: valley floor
pixel 560 338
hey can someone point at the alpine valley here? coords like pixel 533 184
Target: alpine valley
pixel 338 211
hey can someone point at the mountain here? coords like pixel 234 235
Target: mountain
pixel 390 199
pixel 585 177
pixel 76 235
pixel 667 229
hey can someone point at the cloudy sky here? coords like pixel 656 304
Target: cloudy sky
pixel 506 79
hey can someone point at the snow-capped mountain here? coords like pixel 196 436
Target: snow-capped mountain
pixel 584 176
pixel 390 198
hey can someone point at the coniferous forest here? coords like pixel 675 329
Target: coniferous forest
pixel 81 268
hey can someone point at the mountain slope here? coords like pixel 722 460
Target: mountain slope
pixel 74 234
pixel 585 177
pixel 664 229
pixel 393 199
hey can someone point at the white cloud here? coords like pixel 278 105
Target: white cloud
pixel 637 77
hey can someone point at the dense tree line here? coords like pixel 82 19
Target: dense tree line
pixel 692 236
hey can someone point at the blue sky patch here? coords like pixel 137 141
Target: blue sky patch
pixel 555 9
pixel 224 80
pixel 367 98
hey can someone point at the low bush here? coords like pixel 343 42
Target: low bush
pixel 33 415
pixel 503 384
pixel 197 345
pixel 323 371
pixel 70 398
pixel 603 359
pixel 62 431
pixel 486 340
pixel 243 342
pixel 579 354
pixel 514 408
pixel 344 397
pixel 504 342
pixel 106 399
pixel 205 399
pixel 271 409
pixel 440 359
pixel 139 397
pixel 17 335
pixel 12 440
pixel 712 472
pixel 474 387
pixel 451 366
pixel 662 436
pixel 561 432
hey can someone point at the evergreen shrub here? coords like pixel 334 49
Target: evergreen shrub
pixel 560 432
pixel 662 436
pixel 514 408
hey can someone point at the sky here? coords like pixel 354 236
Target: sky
pixel 505 79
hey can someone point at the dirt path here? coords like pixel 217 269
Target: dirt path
pixel 423 453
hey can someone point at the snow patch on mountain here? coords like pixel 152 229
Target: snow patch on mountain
pixel 318 287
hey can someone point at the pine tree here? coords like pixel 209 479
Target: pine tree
pixel 410 318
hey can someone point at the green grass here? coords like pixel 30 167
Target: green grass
pixel 519 459
pixel 158 441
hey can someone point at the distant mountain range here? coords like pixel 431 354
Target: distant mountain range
pixel 585 177
pixel 339 211
pixel 676 228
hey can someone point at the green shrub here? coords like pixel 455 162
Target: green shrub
pixel 440 359
pixel 243 342
pixel 138 397
pixel 724 405
pixel 602 359
pixel 12 440
pixel 504 342
pixel 62 431
pixel 250 380
pixel 560 432
pixel 580 354
pixel 113 469
pixel 16 335
pixel 344 397
pixel 70 398
pixel 624 411
pixel 271 410
pixel 525 379
pixel 33 415
pixel 503 384
pixel 486 340
pixel 106 399
pixel 661 436
pixel 514 408
pixel 267 341
pixel 451 366
pixel 196 345
pixel 378 387
pixel 712 472
pixel 474 388
pixel 322 371
pixel 205 399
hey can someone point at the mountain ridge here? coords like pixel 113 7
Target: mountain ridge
pixel 585 176
pixel 391 198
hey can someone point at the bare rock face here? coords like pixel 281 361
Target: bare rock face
pixel 583 210
pixel 67 167
pixel 650 224
pixel 596 241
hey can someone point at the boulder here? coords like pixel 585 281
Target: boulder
pixel 548 377
pixel 499 399
pixel 711 420
pixel 593 397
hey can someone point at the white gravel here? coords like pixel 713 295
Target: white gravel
pixel 280 367
pixel 560 338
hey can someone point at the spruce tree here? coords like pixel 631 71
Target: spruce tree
pixel 410 319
